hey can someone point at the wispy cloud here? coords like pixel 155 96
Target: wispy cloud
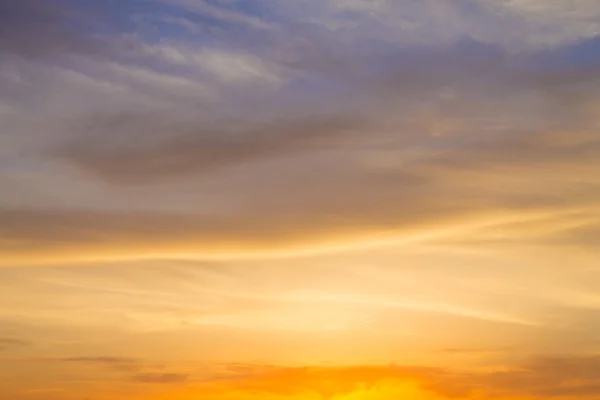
pixel 103 360
pixel 413 124
pixel 210 183
pixel 160 378
pixel 10 342
pixel 554 377
pixel 33 28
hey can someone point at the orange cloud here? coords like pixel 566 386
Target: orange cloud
pixel 541 378
pixel 562 378
pixel 331 383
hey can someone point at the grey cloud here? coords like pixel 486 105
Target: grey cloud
pixel 34 28
pixel 195 148
pixel 301 205
pixel 147 147
pixel 272 222
pixel 329 195
pixel 517 24
pixel 440 132
pixel 220 12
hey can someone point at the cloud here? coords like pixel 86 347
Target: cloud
pixel 561 377
pixel 327 382
pixel 425 101
pixel 461 134
pixel 9 342
pixel 504 179
pixel 555 377
pixel 469 351
pixel 101 360
pixel 120 364
pixel 558 376
pixel 161 378
pixel 23 22
pixel 195 148
pixel 516 25
pixel 224 13
pixel 143 369
pixel 32 28
pixel 233 129
pixel 70 235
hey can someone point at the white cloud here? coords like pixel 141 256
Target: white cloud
pixel 223 66
pixel 515 24
pixel 367 6
pixel 225 14
pixel 551 22
pixel 236 68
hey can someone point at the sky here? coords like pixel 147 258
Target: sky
pixel 299 199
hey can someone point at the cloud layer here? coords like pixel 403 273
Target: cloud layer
pixel 276 199
pixel 425 132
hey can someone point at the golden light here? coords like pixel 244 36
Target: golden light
pixel 392 390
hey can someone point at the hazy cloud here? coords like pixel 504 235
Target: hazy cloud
pixel 376 180
pixel 101 360
pixel 195 148
pixel 161 378
pixel 544 377
pixel 9 342
pixel 549 377
pixel 33 28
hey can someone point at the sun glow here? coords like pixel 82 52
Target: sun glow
pixel 394 390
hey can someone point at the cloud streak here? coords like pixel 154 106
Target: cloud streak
pixel 190 150
pixel 9 342
pixel 277 199
pixel 559 377
pixel 414 126
pixel 160 378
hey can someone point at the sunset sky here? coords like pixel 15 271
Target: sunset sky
pixel 299 199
